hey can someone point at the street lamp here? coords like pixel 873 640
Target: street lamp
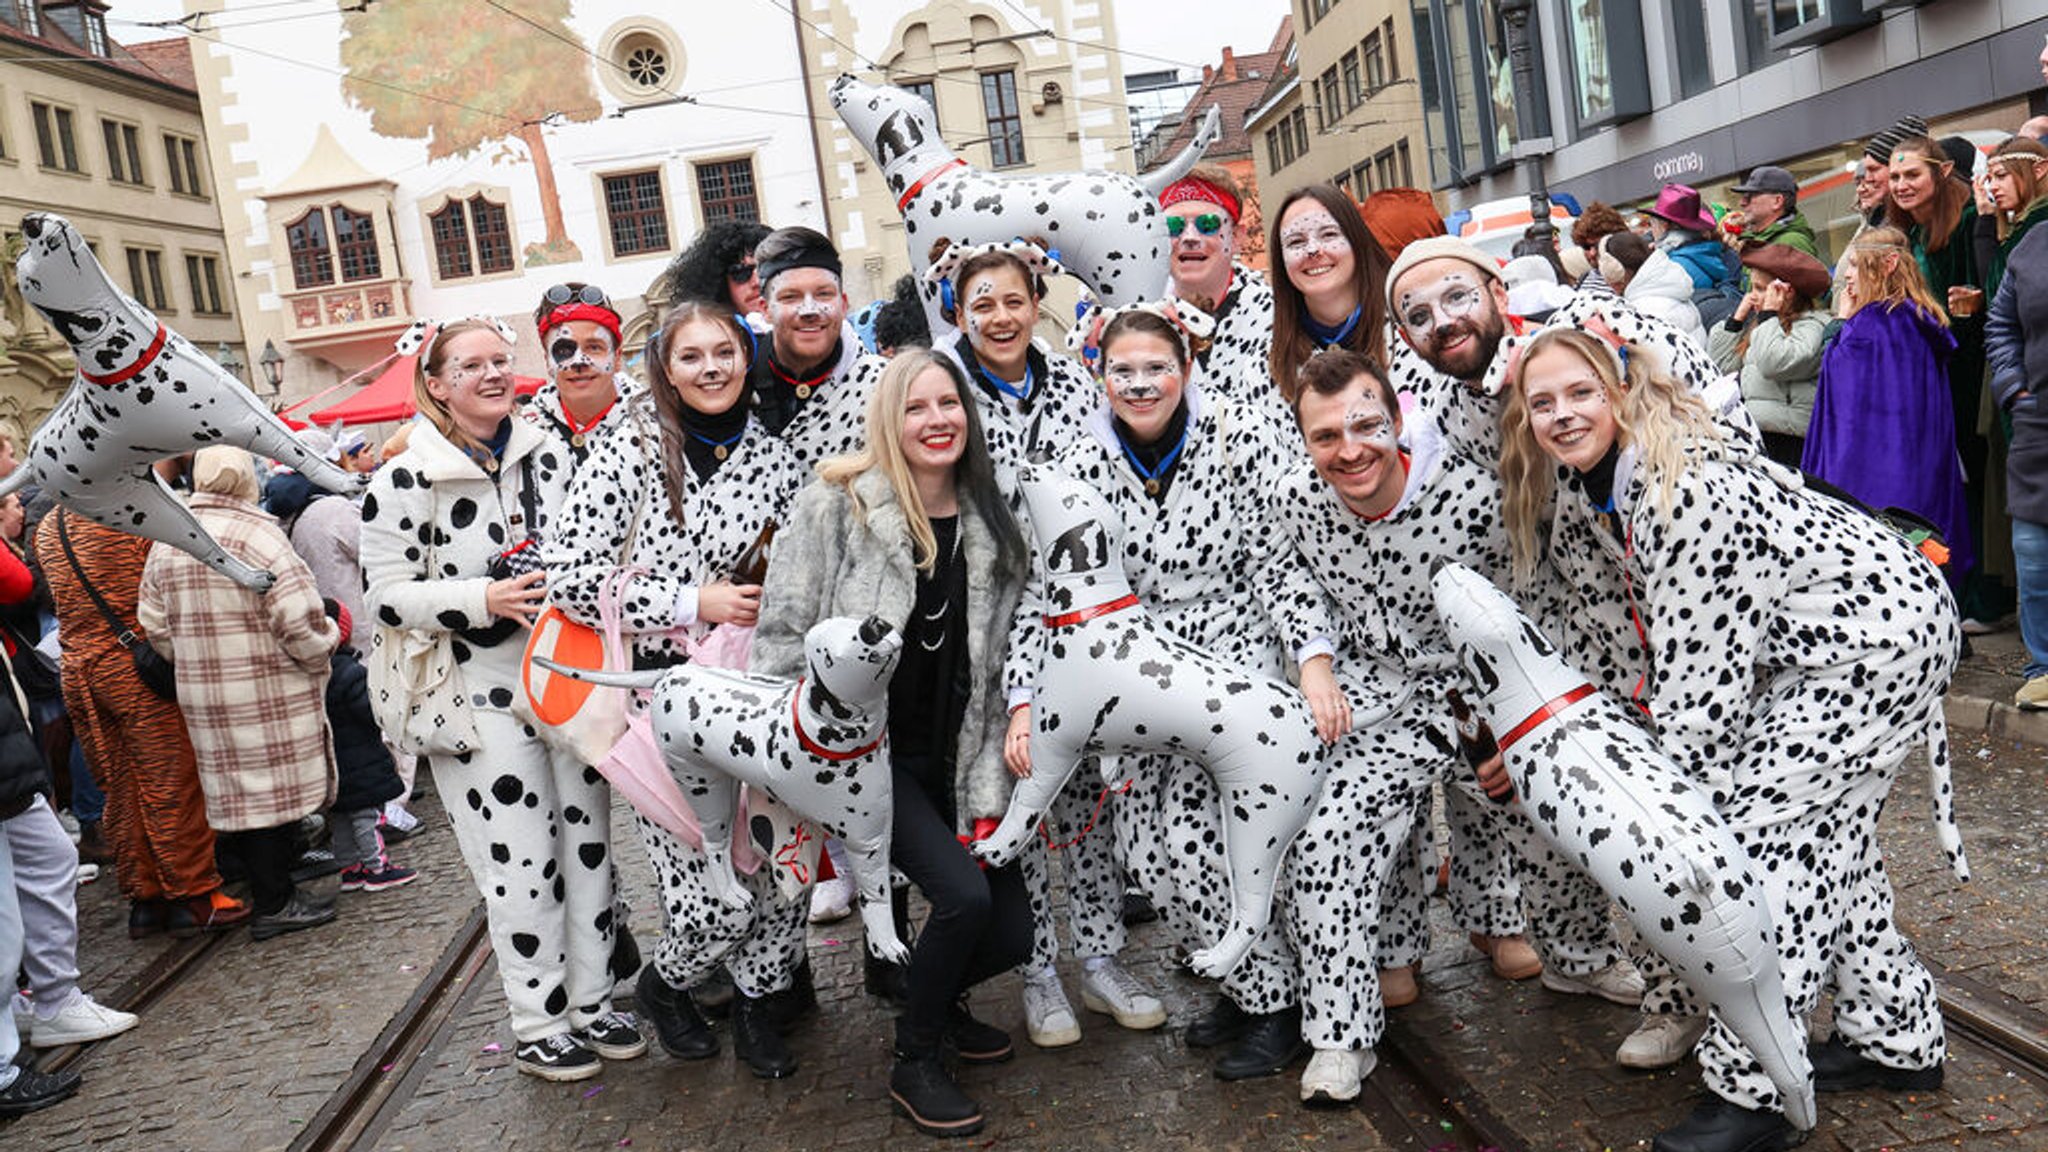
pixel 229 360
pixel 1528 150
pixel 273 365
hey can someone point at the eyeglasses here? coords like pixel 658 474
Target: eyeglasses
pixel 590 294
pixel 739 273
pixel 1208 224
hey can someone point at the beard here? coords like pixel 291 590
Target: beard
pixel 1483 336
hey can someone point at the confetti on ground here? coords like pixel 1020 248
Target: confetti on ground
pixel 593 1092
pixel 492 1047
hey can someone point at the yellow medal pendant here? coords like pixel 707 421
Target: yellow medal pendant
pixel 720 452
pixel 576 441
pixel 1151 487
pixel 803 391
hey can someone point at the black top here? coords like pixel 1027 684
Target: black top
pixel 928 696
pixel 776 388
pixel 704 436
pixel 1146 459
pixel 1599 484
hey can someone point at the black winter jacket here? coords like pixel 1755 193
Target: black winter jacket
pixel 2016 346
pixel 367 777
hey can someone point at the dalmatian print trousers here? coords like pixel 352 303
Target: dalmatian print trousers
pixel 761 944
pixel 534 826
pixel 1088 858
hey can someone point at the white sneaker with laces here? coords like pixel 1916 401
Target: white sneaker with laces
pixel 82 1020
pixel 1618 982
pixel 1333 1076
pixel 831 900
pixel 1107 988
pixel 1660 1041
pixel 1048 1018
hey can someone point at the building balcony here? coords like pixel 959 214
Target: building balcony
pixel 348 313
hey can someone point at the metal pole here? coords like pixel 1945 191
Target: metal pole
pixel 1517 14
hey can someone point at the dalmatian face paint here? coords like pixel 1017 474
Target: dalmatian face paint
pixel 1311 235
pixel 1353 442
pixel 1144 375
pixel 1317 254
pixel 1447 311
pixel 999 311
pixel 1569 413
pixel 805 308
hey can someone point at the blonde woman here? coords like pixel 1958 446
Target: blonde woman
pixel 449 532
pixel 914 530
pixel 1797 647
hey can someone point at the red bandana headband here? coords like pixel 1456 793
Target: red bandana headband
pixel 1196 188
pixel 604 318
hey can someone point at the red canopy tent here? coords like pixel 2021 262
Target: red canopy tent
pixel 389 397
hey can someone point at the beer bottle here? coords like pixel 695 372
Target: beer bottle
pixel 752 567
pixel 1475 737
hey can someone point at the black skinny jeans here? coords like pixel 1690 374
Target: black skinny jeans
pixel 980 924
pixel 267 855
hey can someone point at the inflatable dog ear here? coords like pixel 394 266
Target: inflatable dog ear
pixel 143 393
pixel 1104 227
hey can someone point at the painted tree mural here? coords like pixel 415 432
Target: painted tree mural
pixel 483 76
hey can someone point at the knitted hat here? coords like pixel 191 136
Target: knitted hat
pixel 1880 146
pixel 1425 250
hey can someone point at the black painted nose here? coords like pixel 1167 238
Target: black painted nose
pixel 874 630
pixel 32 226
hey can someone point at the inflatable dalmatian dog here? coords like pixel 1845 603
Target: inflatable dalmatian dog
pixel 1596 786
pixel 814 745
pixel 1114 683
pixel 143 393
pixel 1107 226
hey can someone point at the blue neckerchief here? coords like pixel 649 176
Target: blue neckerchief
pixel 1328 336
pixel 1166 462
pixel 708 442
pixel 500 439
pixel 1020 393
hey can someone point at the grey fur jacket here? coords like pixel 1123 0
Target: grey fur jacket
pixel 830 562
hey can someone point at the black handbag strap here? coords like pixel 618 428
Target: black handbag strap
pixel 123 631
pixel 529 501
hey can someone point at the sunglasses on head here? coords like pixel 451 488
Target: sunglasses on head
pixel 739 273
pixel 590 294
pixel 1208 224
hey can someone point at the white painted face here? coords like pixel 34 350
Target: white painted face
pixel 1425 307
pixel 1144 374
pixel 1310 235
pixel 579 350
pixel 805 308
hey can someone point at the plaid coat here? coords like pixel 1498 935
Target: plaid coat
pixel 252 669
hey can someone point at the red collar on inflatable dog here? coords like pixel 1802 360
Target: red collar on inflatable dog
pixel 911 192
pixel 1069 619
pixel 803 739
pixel 1550 708
pixel 133 370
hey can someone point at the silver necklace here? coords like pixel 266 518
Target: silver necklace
pixel 938 615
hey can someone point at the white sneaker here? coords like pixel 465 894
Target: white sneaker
pixel 24 1010
pixel 1333 1076
pixel 1660 1041
pixel 87 872
pixel 81 1021
pixel 1619 982
pixel 1048 1018
pixel 396 817
pixel 70 824
pixel 1108 989
pixel 831 900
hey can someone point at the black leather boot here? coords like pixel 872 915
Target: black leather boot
pixel 714 993
pixel 1138 909
pixel 756 1040
pixel 682 1030
pixel 1221 1024
pixel 974 1041
pixel 1837 1068
pixel 923 1092
pixel 1720 1126
pixel 793 1004
pixel 1269 1044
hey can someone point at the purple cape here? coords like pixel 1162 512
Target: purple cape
pixel 1884 428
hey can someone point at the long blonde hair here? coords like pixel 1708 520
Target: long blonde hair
pixel 1891 286
pixel 883 452
pixel 431 364
pixel 1657 415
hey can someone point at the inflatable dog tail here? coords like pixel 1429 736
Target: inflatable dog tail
pixel 1943 788
pixel 1158 180
pixel 647 679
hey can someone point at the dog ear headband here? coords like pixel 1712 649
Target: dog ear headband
pixel 1192 326
pixel 421 335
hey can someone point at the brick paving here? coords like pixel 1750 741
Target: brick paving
pixel 252 1045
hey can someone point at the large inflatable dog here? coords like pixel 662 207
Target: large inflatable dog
pixel 1107 226
pixel 143 393
pixel 1115 683
pixel 1596 786
pixel 814 745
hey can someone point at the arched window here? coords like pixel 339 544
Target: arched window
pixel 355 241
pixel 470 237
pixel 312 262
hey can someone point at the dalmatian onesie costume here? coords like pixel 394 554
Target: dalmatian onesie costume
pixel 1825 702
pixel 545 412
pixel 1188 557
pixel 1237 364
pixel 819 416
pixel 620 514
pixel 532 822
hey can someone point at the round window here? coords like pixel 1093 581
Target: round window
pixel 646 63
pixel 643 60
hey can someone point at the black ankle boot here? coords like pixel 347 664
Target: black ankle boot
pixel 1138 909
pixel 682 1030
pixel 1221 1024
pixel 1837 1068
pixel 923 1092
pixel 714 993
pixel 756 1040
pixel 972 1040
pixel 1720 1126
pixel 1269 1044
pixel 792 1005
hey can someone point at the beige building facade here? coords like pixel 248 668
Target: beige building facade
pixel 111 137
pixel 1029 87
pixel 1346 108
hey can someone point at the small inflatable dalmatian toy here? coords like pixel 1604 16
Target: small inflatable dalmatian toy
pixel 814 745
pixel 143 393
pixel 1598 789
pixel 1106 226
pixel 1114 683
